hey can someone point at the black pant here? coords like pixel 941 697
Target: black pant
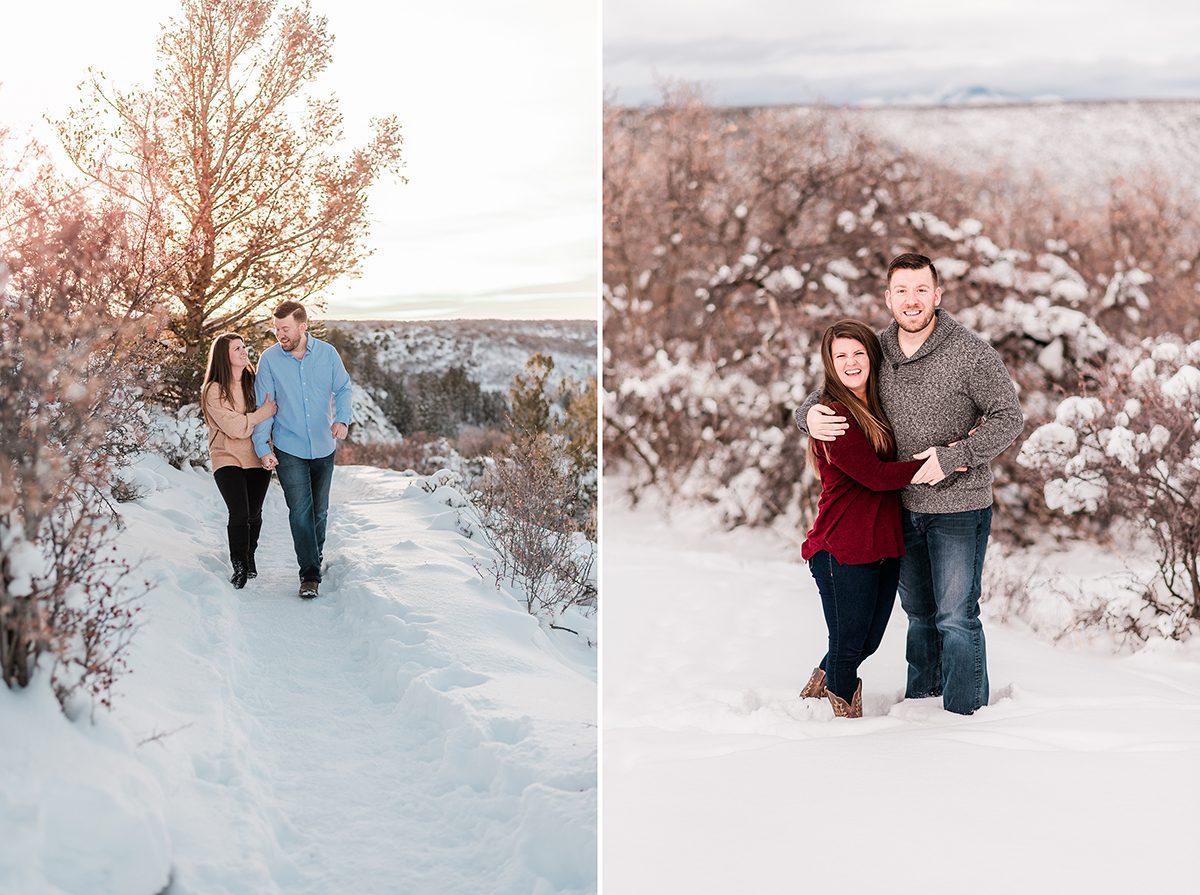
pixel 858 601
pixel 244 491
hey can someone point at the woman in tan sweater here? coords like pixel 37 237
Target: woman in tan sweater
pixel 229 409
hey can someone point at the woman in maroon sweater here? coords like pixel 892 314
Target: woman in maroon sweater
pixel 856 542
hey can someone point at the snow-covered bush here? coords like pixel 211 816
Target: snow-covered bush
pixel 178 436
pixel 715 436
pixel 76 330
pixel 1130 451
pixel 528 504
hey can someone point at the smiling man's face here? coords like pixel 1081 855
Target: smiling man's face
pixel 290 332
pixel 912 297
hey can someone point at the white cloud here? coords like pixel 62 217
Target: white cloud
pixel 767 51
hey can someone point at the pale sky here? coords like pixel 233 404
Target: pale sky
pixel 763 52
pixel 500 109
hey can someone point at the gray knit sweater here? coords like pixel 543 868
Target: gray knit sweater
pixel 935 397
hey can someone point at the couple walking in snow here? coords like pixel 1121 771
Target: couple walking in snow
pixel 287 416
pixel 926 388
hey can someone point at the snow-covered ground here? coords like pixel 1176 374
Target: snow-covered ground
pixel 413 730
pixel 1082 775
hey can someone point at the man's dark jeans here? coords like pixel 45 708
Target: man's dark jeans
pixel 939 590
pixel 306 490
pixel 858 600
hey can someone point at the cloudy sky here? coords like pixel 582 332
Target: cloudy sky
pixel 500 109
pixel 745 52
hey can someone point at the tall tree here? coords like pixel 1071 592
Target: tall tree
pixel 528 403
pixel 580 426
pixel 231 164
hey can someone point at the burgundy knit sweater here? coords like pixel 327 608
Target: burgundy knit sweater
pixel 858 516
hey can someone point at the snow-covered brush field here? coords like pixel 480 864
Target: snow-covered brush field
pixel 1082 775
pixel 413 730
pixel 1066 246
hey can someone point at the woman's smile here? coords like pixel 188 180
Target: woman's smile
pixel 852 363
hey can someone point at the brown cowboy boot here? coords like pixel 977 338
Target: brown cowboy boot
pixel 843 710
pixel 815 688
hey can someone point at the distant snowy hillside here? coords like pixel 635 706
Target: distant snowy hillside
pixel 491 351
pixel 370 422
pixel 1073 147
pixel 411 730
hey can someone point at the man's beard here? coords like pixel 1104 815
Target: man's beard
pixel 914 324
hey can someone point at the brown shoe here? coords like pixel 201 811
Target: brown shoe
pixel 815 688
pixel 840 707
pixel 309 589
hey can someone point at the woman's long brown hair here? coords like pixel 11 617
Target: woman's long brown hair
pixel 869 414
pixel 220 371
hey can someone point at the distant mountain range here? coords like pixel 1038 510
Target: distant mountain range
pixel 974 95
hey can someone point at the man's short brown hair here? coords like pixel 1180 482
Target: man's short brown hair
pixel 907 261
pixel 292 309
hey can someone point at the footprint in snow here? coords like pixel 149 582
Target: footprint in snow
pixel 510 731
pixel 454 678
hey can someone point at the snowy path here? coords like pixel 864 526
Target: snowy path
pixel 1083 774
pixel 411 730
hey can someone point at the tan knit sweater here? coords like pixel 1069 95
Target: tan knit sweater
pixel 229 429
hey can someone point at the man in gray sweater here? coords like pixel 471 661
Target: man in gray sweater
pixel 940 385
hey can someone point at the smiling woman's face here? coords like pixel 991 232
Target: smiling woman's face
pixel 238 357
pixel 852 364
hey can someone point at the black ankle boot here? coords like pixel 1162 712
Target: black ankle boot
pixel 255 528
pixel 238 579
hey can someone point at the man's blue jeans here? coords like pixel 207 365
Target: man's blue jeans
pixel 939 590
pixel 306 490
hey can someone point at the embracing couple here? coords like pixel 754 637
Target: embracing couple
pixel 927 388
pixel 295 433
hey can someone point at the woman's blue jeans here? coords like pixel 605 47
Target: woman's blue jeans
pixel 858 600
pixel 306 490
pixel 939 590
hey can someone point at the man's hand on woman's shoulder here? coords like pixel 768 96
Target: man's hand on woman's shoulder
pixel 824 424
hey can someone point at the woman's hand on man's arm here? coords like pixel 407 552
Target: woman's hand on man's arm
pixel 265 411
pixel 931 473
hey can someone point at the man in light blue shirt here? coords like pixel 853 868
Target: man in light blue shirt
pixel 312 388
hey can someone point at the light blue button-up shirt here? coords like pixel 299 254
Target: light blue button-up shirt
pixel 307 392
